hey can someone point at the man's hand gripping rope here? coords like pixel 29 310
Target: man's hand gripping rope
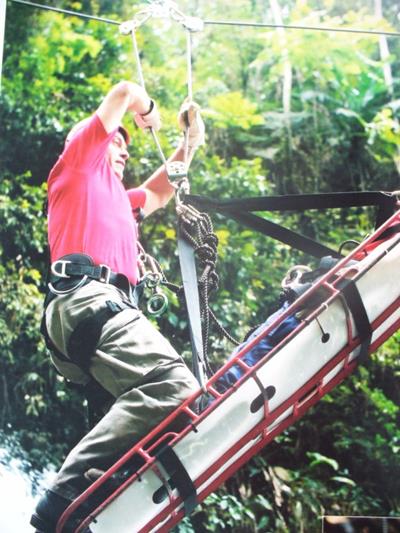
pixel 149 119
pixel 192 125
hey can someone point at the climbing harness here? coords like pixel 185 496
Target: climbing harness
pixel 67 275
pixel 73 271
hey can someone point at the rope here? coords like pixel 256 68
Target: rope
pixel 199 233
pixel 238 23
pixel 204 243
pixel 143 84
pixel 189 64
pixel 173 170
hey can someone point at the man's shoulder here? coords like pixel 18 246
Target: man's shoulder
pixel 88 146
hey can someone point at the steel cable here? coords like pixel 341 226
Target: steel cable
pixel 238 23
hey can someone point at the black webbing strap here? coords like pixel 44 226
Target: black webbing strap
pixel 178 477
pixel 85 337
pixel 282 234
pixel 81 347
pixel 190 287
pixel 97 272
pixel 241 210
pixel 301 202
pixel 354 301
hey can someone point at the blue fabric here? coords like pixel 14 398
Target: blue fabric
pixel 261 348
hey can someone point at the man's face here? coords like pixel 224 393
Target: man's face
pixel 117 154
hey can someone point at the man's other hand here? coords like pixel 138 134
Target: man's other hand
pixel 190 122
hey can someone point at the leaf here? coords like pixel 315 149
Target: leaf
pixel 345 480
pixel 349 113
pixel 318 459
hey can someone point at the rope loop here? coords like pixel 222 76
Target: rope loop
pixel 197 229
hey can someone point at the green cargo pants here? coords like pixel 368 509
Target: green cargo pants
pixel 133 362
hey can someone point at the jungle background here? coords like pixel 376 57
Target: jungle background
pixel 287 111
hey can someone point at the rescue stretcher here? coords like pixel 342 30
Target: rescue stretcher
pixel 360 310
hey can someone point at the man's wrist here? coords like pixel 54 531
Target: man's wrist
pixel 185 147
pixel 150 109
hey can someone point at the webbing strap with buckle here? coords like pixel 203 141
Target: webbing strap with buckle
pixel 243 210
pixel 63 268
pixel 179 477
pixel 353 299
pixel 71 272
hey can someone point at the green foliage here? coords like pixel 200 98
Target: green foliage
pixel 384 137
pixel 233 111
pixel 32 394
pixel 340 133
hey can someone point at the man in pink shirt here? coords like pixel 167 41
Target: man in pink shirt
pixel 97 336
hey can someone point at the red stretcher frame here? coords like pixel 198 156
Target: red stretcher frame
pixel 304 398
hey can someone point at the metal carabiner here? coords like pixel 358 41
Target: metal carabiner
pixel 140 18
pixel 157 304
pixel 152 280
pixel 176 169
pixel 182 189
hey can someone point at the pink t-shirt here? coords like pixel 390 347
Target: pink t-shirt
pixel 90 212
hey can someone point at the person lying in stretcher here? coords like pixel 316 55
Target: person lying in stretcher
pixel 298 279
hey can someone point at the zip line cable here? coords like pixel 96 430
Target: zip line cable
pixel 66 12
pixel 220 22
pixel 300 27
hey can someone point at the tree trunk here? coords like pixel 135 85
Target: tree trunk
pixel 286 71
pixel 3 5
pixel 387 71
pixel 384 51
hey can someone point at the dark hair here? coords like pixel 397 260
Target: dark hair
pixel 124 134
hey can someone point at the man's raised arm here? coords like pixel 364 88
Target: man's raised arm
pixel 124 97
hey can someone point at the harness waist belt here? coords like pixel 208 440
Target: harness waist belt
pixel 75 270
